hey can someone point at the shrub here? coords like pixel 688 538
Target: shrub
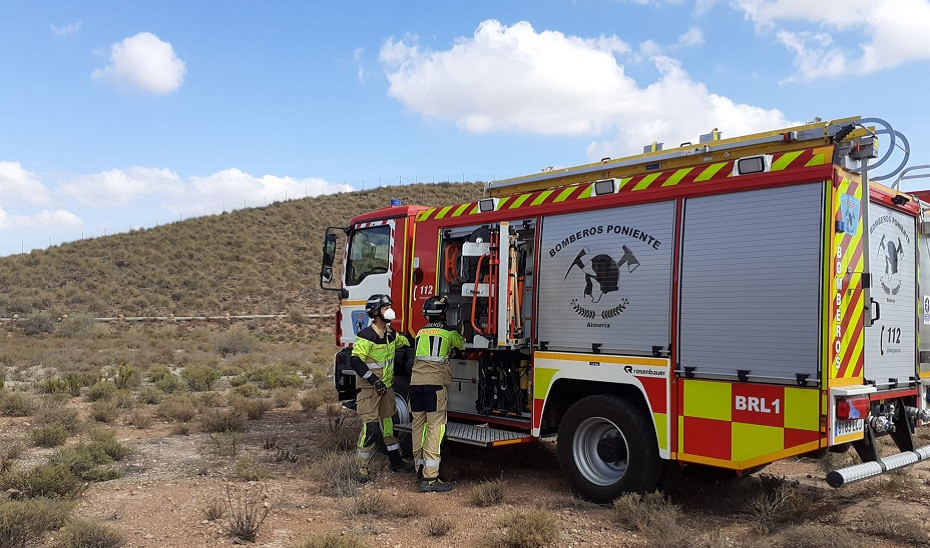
pixel 178 409
pixel 199 378
pixel 335 472
pixel 44 481
pixel 81 326
pixel 247 390
pixel 282 397
pixel 247 511
pixel 905 529
pixel 331 540
pixel 16 404
pixel 24 522
pixel 150 395
pixel 140 419
pixel 438 526
pixel 223 420
pixel 38 324
pixel 488 493
pixel 214 510
pixel 104 411
pixel 652 516
pixel 93 460
pixel 530 529
pixel 10 451
pixel 247 469
pixel 51 435
pixel 275 376
pixel 2 376
pixel 103 390
pixel 127 376
pixel 55 385
pixel 50 415
pixel 818 535
pixel 159 372
pixel 310 401
pixel 236 340
pixel 89 534
pixel 254 409
pixel 169 384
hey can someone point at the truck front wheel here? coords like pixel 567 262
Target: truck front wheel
pixel 607 447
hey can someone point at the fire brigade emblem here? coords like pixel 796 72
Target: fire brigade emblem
pixel 850 210
pixel 892 247
pixel 601 277
pixel 359 320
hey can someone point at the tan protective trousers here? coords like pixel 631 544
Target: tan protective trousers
pixel 376 413
pixel 429 427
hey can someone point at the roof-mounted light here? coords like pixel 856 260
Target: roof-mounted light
pixel 605 186
pixel 486 205
pixel 753 164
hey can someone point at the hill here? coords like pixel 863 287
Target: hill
pixel 261 260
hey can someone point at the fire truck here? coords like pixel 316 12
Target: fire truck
pixel 727 303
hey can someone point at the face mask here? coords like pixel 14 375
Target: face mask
pixel 388 315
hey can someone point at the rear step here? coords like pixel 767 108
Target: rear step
pixel 483 436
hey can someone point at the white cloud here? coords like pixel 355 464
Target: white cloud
pixel 516 79
pixel 19 185
pixel 144 62
pixel 118 187
pixel 232 188
pixel 69 29
pixel 879 34
pixel 57 221
pixel 693 37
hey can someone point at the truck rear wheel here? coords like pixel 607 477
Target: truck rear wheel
pixel 607 447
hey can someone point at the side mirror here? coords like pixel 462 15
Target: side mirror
pixel 327 274
pixel 329 252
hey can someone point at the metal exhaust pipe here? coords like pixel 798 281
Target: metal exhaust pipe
pixel 838 478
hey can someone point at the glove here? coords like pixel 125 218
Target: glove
pixel 379 386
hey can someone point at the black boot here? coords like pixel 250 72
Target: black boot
pixel 398 463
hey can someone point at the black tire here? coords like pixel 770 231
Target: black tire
pixel 607 447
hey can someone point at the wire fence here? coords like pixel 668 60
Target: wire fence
pixel 173 318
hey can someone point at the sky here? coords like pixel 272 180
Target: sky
pixel 123 115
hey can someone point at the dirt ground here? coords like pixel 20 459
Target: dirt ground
pixel 170 479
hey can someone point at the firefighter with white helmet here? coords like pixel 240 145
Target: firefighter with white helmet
pixel 373 362
pixel 429 388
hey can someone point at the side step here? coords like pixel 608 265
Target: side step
pixel 483 436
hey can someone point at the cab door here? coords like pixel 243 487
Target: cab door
pixel 368 269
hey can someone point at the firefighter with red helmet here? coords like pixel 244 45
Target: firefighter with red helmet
pixel 373 362
pixel 429 388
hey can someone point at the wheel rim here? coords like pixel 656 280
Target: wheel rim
pixel 600 451
pixel 403 412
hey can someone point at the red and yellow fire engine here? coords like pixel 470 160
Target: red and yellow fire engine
pixel 726 303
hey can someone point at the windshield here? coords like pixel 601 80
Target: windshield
pixel 368 253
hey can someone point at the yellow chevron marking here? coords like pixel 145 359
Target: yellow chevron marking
pixel 442 212
pixel 541 198
pixel 785 160
pixel 646 181
pixel 503 201
pixel 425 214
pixel 565 194
pixel 819 159
pixel 623 182
pixel 519 201
pixel 586 193
pixel 709 172
pixel 459 210
pixel 677 177
pixel 476 209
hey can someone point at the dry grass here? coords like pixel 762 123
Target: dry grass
pixel 527 529
pixel 247 510
pixel 335 472
pixel 811 535
pixel 89 534
pixel 331 540
pixel 652 516
pixel 488 493
pixel 24 522
pixel 439 526
pixel 899 528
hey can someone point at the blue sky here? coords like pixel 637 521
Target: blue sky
pixel 118 115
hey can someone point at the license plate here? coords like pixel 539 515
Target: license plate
pixel 841 428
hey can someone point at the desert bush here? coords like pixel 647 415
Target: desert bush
pixel 439 526
pixel 332 540
pixel 276 376
pixel 150 395
pixel 127 376
pixel 253 409
pixel 79 379
pixel 235 340
pixel 178 409
pixel 338 432
pixel 124 399
pixel 50 414
pixel 817 535
pixel 246 511
pixel 24 522
pixel 94 459
pixel 44 481
pixel 16 404
pixel 50 435
pixel 529 529
pixel 282 397
pixel 104 411
pixel 41 323
pixel 10 451
pixel 652 516
pixel 199 378
pixel 102 390
pixel 81 326
pixel 140 419
pixel 158 373
pixel 900 528
pixel 311 400
pixel 247 469
pixel 375 503
pixel 335 472
pixel 54 385
pixel 488 493
pixel 225 444
pixel 169 384
pixel 223 420
pixel 775 500
pixel 88 534
pixel 214 510
pixel 247 390
pixel 2 376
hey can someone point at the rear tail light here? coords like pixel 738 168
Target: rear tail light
pixel 855 407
